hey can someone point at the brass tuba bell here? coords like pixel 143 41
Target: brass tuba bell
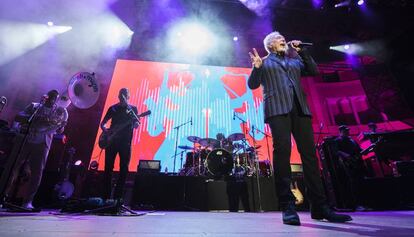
pixel 83 90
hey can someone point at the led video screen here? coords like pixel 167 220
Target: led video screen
pixel 187 100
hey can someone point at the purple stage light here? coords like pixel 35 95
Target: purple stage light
pixel 235 38
pixel 317 4
pixel 360 2
pixel 50 23
pixel 346 47
pixel 78 162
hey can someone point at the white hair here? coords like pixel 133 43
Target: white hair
pixel 269 38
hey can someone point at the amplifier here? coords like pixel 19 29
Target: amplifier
pixel 149 167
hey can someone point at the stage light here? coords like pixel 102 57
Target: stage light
pixel 94 165
pixel 360 2
pixel 50 23
pixel 108 30
pixel 317 4
pixel 190 38
pixel 351 49
pixel 235 38
pixel 78 163
pixel 257 6
pixel 17 38
pixel 376 48
pixel 61 29
pixel 343 4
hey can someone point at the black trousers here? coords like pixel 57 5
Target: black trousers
pixel 300 125
pixel 123 148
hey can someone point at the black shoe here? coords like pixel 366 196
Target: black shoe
pixel 289 215
pixel 328 214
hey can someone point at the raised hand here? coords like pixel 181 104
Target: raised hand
pixel 256 59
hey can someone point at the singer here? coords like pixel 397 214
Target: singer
pixel 287 112
pixel 121 130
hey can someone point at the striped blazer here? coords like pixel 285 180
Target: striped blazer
pixel 280 80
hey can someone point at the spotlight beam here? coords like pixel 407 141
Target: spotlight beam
pixel 17 38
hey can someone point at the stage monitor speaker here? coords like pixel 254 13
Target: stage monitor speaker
pixel 149 167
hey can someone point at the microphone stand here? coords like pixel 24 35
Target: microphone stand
pixel 267 146
pixel 176 142
pixel 181 153
pixel 244 130
pixel 256 164
pixel 319 136
pixel 10 166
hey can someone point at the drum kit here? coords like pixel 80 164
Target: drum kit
pixel 227 156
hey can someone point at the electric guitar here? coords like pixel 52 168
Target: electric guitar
pixel 296 192
pixel 106 137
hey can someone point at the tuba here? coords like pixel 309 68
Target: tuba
pixel 83 90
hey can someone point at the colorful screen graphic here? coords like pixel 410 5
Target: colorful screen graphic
pixel 176 94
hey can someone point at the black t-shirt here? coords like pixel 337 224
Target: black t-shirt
pixel 348 145
pixel 121 120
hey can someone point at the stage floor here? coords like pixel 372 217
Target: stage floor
pixel 45 224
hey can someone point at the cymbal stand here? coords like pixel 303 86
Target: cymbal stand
pixel 267 146
pixel 181 159
pixel 244 130
pixel 174 156
pixel 256 164
pixel 176 142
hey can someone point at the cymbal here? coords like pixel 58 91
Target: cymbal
pixel 186 147
pixel 193 139
pixel 208 142
pixel 235 137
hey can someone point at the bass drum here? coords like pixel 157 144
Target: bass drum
pixel 219 162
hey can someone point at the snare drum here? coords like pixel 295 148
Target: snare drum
pixel 219 162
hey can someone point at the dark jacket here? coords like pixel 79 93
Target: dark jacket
pixel 280 79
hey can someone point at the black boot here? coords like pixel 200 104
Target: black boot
pixel 289 215
pixel 324 212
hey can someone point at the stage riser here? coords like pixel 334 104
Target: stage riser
pixel 199 193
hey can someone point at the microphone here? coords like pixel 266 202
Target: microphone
pixel 305 44
pixel 321 126
pixel 301 44
pixel 253 128
pixel 234 115
pixel 191 121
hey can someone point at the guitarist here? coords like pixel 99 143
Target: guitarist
pixel 350 165
pixel 123 122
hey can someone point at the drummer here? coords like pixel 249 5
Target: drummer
pixel 224 143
